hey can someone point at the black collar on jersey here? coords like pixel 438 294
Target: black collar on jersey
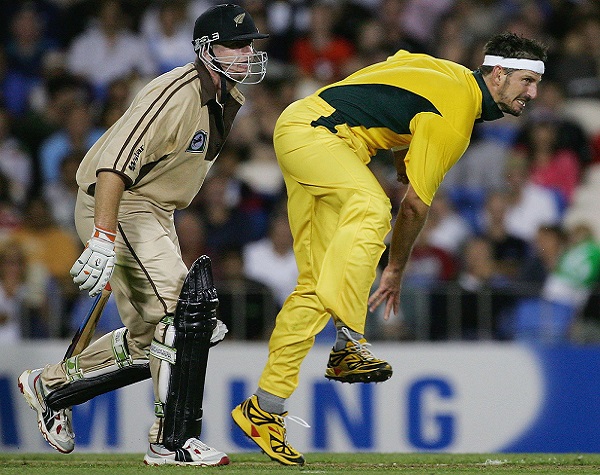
pixel 489 108
pixel 208 91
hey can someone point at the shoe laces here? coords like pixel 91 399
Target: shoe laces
pixel 65 420
pixel 298 420
pixel 199 444
pixel 362 348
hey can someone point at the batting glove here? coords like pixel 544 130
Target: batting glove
pixel 94 267
pixel 218 333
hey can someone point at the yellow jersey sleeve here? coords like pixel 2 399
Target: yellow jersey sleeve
pixel 435 147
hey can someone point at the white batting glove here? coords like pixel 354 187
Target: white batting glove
pixel 94 267
pixel 218 333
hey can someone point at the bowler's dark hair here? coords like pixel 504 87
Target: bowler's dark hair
pixel 511 45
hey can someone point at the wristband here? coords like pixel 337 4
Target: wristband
pixel 104 234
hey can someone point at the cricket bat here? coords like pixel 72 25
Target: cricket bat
pixel 86 330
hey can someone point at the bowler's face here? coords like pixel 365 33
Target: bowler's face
pixel 516 90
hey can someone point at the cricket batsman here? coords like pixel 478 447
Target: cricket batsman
pixel 152 161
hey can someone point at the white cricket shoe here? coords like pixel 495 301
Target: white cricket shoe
pixel 55 426
pixel 193 452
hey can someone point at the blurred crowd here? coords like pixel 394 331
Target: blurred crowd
pixel 510 250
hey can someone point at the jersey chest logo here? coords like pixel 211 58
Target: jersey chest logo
pixel 198 143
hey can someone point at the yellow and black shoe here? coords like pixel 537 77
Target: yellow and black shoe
pixel 267 430
pixel 356 364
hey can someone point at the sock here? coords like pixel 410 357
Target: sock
pixel 342 337
pixel 269 402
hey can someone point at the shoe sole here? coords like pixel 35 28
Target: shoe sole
pixel 157 463
pixel 243 421
pixel 33 402
pixel 377 376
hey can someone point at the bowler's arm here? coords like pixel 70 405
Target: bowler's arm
pixel 409 222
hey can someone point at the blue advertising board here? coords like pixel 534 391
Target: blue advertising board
pixel 446 397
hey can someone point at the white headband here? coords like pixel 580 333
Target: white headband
pixel 534 65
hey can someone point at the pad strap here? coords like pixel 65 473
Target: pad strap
pixel 162 351
pixel 72 369
pixel 120 350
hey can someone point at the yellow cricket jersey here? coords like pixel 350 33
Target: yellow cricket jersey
pixel 409 100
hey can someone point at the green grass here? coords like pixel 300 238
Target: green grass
pixel 321 463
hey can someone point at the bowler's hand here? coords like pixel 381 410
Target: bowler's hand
pixel 388 292
pixel 94 267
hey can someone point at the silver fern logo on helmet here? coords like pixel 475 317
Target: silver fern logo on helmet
pixel 239 19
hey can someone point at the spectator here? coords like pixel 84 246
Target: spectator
pixel 108 50
pixel 429 268
pixel 448 228
pixel 428 264
pixel 390 13
pixel 192 235
pixel 227 225
pixel 577 271
pixel 63 93
pixel 321 53
pixel 530 206
pixel 479 18
pixel 12 277
pixel 10 216
pixel 246 305
pixel 166 35
pixel 61 194
pixel 452 39
pixel 565 293
pixel 370 46
pixel 26 48
pixel 482 167
pixel 117 100
pixel 24 296
pixel 549 244
pixel 551 105
pixel 472 307
pixel 54 67
pixel 15 163
pixel 271 260
pixel 47 245
pixel 557 169
pixel 261 172
pixel 257 123
pixel 420 18
pixel 509 252
pixel 576 67
pixel 78 134
pixel 14 89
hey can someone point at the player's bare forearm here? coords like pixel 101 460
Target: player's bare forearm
pixel 409 222
pixel 109 190
pixel 411 218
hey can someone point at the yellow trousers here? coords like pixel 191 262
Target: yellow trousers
pixel 339 216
